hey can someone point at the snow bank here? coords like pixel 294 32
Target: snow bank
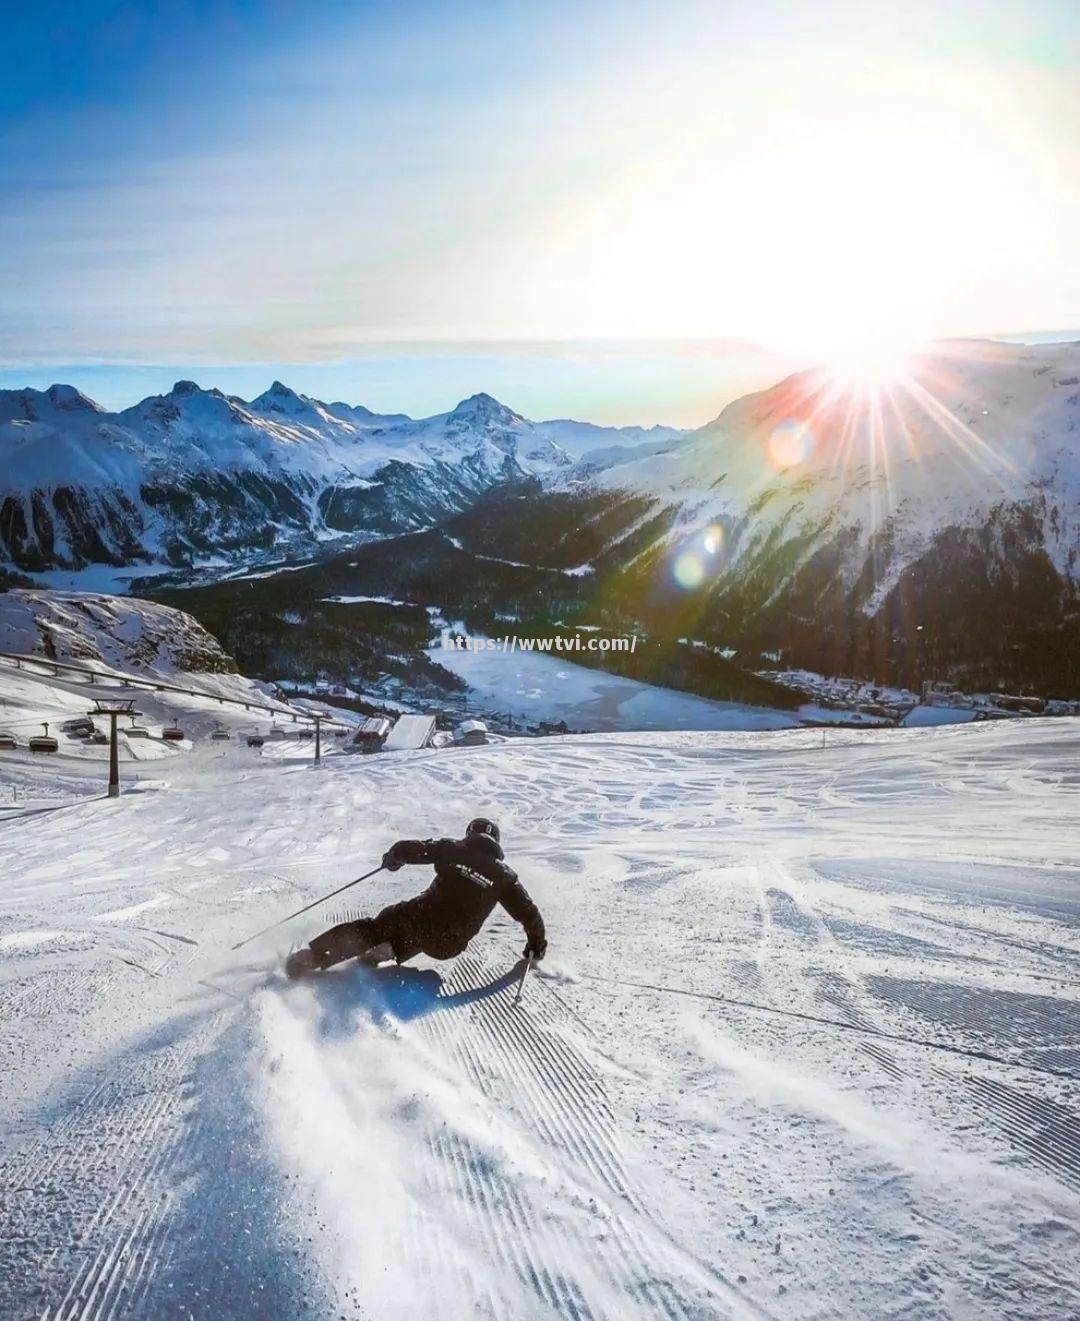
pixel 123 632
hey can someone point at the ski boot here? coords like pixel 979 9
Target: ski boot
pixel 376 955
pixel 302 963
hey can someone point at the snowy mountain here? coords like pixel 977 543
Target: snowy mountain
pixel 928 526
pixel 196 474
pixel 935 517
pixel 967 431
pixel 588 442
pixel 119 632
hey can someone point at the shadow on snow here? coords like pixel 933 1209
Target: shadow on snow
pixel 399 993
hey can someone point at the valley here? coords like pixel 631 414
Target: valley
pixel 935 539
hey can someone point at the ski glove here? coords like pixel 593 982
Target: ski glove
pixel 537 952
pixel 391 861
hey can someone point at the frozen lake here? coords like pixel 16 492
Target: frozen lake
pixel 535 687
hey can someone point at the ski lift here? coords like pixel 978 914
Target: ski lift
pixel 137 731
pixel 7 740
pixel 255 740
pixel 99 736
pixel 220 735
pixel 172 733
pixel 305 733
pixel 277 734
pixel 44 742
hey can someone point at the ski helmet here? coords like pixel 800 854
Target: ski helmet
pixel 480 825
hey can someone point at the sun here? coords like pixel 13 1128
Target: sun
pixel 870 363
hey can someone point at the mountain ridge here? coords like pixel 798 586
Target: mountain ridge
pixel 934 518
pixel 926 527
pixel 194 473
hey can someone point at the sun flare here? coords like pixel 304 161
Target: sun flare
pixel 790 444
pixel 869 367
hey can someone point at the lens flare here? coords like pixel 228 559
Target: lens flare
pixel 689 571
pixel 790 444
pixel 713 539
pixel 872 366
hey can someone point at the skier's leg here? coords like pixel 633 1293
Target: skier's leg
pixel 391 934
pixel 348 940
pixel 362 939
pixel 381 953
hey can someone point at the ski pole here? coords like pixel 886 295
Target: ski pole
pixel 282 920
pixel 521 980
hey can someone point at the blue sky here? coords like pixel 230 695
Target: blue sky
pixel 569 205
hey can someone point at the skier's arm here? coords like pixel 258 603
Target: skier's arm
pixel 515 899
pixel 407 851
pixel 446 851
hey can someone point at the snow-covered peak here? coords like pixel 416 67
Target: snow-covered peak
pixel 483 410
pixel 59 437
pixel 364 418
pixel 599 446
pixel 970 421
pixel 188 389
pixel 341 409
pixel 186 413
pixel 281 399
pixel 301 416
pixel 68 399
pixel 967 428
pixel 29 405
pixel 483 421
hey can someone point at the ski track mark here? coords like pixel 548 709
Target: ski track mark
pixel 787 914
pixel 103 1181
pixel 843 996
pixel 1047 1130
pixel 526 1061
pixel 1030 1026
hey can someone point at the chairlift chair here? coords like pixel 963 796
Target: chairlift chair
pixel 44 742
pixel 172 733
pixel 220 735
pixel 255 740
pixel 7 740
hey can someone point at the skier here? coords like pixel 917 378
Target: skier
pixel 470 879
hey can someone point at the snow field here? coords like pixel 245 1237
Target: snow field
pixel 872 1120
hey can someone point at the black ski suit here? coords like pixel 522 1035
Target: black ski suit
pixel 470 879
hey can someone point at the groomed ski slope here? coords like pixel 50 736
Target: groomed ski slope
pixel 862 1101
